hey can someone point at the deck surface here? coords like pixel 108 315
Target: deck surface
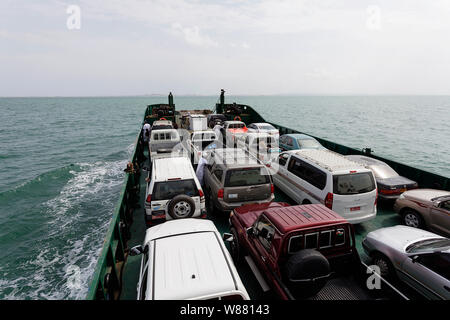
pixel 385 217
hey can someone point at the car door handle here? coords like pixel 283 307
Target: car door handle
pixel 447 288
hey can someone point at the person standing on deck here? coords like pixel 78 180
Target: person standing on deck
pixel 146 132
pixel 200 172
pixel 218 130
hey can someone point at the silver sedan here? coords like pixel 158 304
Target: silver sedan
pixel 417 257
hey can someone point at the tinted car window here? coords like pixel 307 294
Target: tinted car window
pixel 245 177
pixel 437 262
pixel 169 189
pixel 309 173
pixel 353 183
pixel 266 232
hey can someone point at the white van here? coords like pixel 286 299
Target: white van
pixel 187 260
pixel 173 191
pixel 324 176
pixel 162 142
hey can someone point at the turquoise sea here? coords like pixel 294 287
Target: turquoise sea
pixel 62 161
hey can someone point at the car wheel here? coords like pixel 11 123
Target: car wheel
pixel 412 218
pixel 181 206
pixel 306 201
pixel 235 248
pixel 385 265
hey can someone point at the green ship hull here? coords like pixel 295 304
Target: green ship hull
pixel 116 274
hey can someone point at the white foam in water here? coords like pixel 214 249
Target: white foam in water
pixel 78 220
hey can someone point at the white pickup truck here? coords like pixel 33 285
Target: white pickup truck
pixel 187 260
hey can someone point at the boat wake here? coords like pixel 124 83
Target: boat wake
pixel 55 244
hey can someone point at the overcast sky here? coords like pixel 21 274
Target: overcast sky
pixel 138 47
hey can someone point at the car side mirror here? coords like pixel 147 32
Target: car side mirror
pixel 136 250
pixel 228 237
pixel 415 259
pixel 250 231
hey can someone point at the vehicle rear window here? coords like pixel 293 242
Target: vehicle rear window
pixel 246 177
pixel 236 126
pixel 163 136
pixel 353 183
pixel 169 189
pixel 162 126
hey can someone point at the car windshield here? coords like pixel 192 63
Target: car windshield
pixel 353 183
pixel 383 171
pixel 308 143
pixel 169 189
pixel 429 244
pixel 246 177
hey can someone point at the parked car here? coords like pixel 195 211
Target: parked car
pixel 323 176
pixel 187 260
pixel 263 127
pixel 298 141
pixel 425 208
pixel 232 130
pixel 298 250
pixel 162 124
pixel 390 184
pixel 233 178
pixel 162 142
pixel 212 118
pixel 199 141
pixel 417 257
pixel 262 146
pixel 173 191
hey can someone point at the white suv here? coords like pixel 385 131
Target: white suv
pixel 187 260
pixel 173 191
pixel 324 176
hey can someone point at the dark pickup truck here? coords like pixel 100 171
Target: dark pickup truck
pixel 300 252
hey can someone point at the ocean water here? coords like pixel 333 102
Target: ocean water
pixel 62 161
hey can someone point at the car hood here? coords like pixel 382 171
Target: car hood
pixel 395 181
pixel 400 237
pixel 425 194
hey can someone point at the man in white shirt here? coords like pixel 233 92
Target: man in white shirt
pixel 146 132
pixel 200 172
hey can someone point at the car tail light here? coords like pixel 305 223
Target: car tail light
pixel 149 198
pixel 220 194
pixel 376 197
pixel 272 188
pixel 329 200
pixel 201 194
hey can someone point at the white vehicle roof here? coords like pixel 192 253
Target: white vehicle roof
pixel 259 124
pixel 329 160
pixel 191 262
pixel 200 133
pixel 162 122
pixel 234 122
pixel 165 169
